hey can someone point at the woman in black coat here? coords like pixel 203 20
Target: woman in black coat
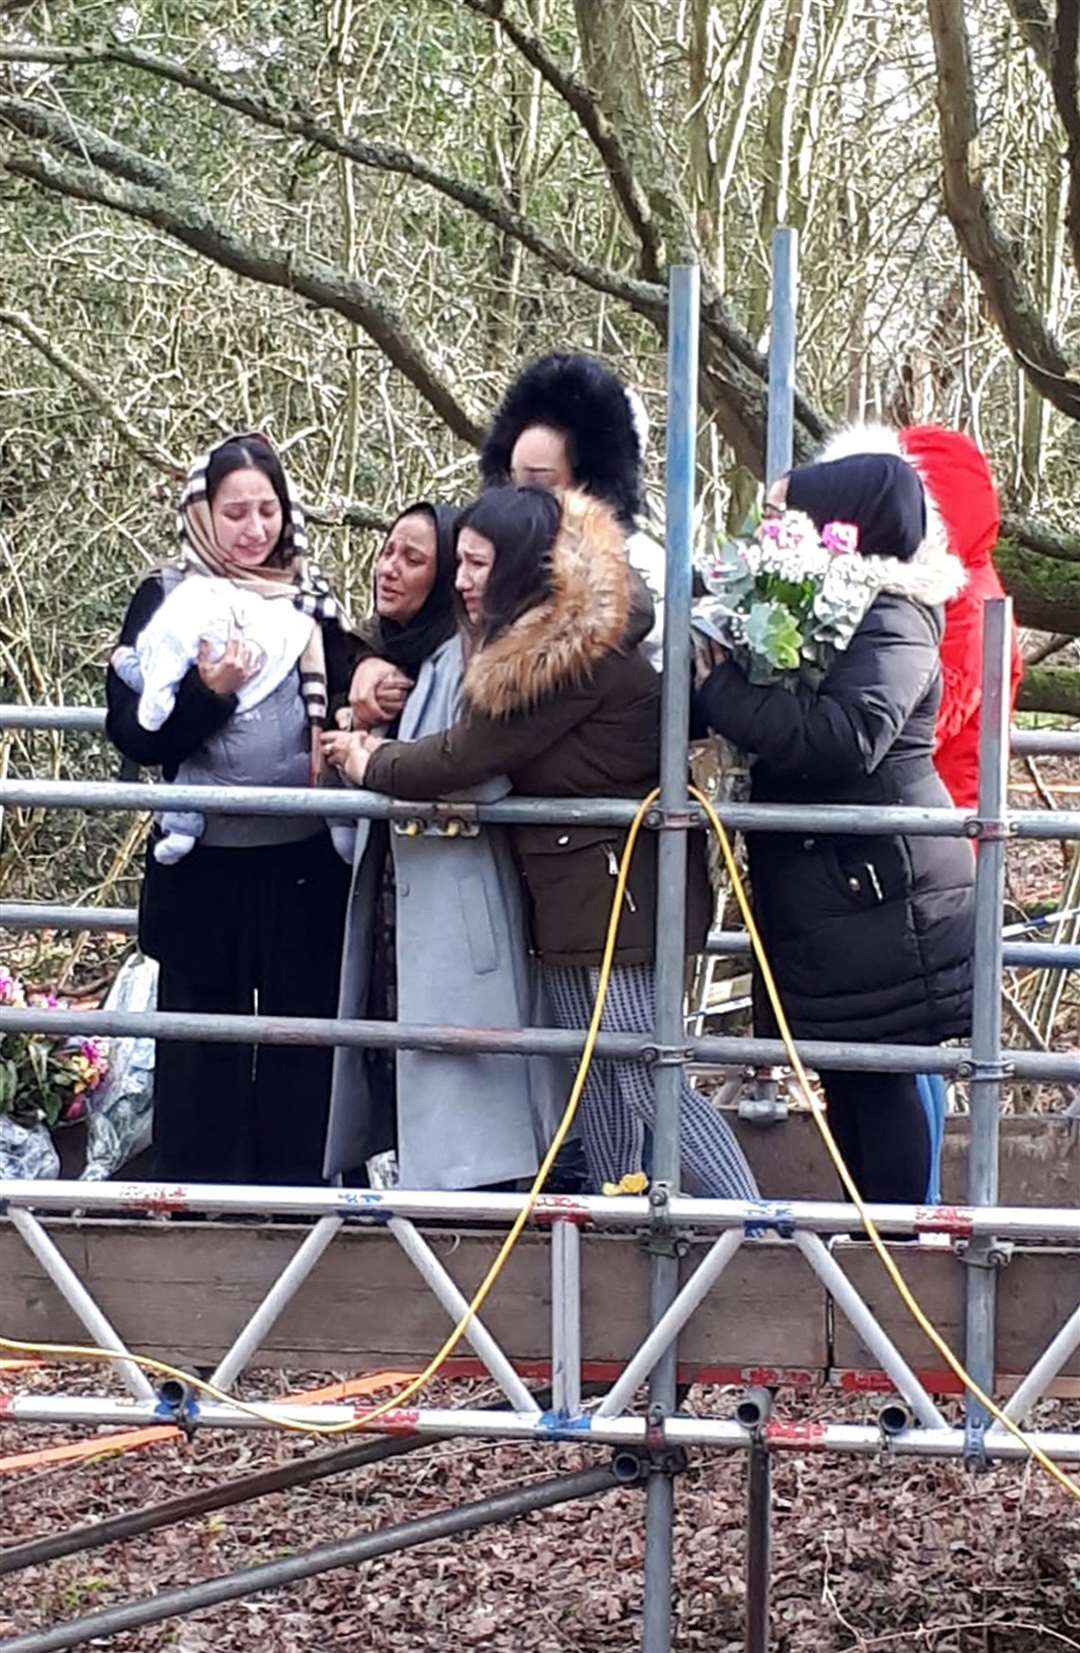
pixel 868 938
pixel 253 916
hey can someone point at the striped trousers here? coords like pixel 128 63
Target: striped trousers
pixel 618 1105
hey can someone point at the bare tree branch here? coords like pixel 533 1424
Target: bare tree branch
pixel 177 213
pixel 1039 539
pixel 74 136
pixel 303 123
pixel 1034 24
pixel 136 441
pixel 338 514
pixel 1063 80
pixel 606 141
pixel 734 371
pixel 966 201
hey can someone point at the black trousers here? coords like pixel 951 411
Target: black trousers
pixel 241 931
pixel 880 1128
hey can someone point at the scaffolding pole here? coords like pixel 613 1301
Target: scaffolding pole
pixel 273 1575
pixel 987 1067
pixel 671 921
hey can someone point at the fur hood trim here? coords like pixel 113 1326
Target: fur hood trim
pixel 560 642
pixel 933 575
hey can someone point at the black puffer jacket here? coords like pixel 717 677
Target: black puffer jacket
pixel 868 938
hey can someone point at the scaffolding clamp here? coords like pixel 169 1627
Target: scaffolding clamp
pixel 768 1214
pixel 667 1056
pixel 177 1404
pixel 994 1072
pixel 985 1251
pixel 976 1461
pixel 659 1457
pixel 660 1239
pixel 989 830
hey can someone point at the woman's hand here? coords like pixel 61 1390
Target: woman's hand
pixel 378 693
pixel 349 753
pixel 238 663
pixel 707 656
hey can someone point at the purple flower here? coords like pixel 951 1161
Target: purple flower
pixel 841 538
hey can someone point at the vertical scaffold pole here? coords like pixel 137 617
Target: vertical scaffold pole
pixel 779 454
pixel 780 437
pixel 986 1061
pixel 683 304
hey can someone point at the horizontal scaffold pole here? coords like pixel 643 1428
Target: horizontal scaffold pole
pixel 272 1575
pixel 91 720
pixel 1049 1067
pixel 757 1218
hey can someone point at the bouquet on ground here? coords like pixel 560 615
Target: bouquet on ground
pixel 45 1079
pixel 783 603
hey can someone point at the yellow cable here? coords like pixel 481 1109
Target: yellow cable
pixel 79 1352
pixel 74 1351
pixel 909 1301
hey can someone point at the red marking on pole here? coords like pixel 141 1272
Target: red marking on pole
pixel 6 1402
pixel 403 1420
pixel 809 1436
pixel 865 1383
pixel 156 1200
pixel 551 1208
pixel 956 1220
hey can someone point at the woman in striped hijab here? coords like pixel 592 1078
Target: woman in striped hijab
pixel 252 917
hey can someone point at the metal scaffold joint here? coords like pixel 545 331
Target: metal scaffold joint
pixel 989 830
pixel 994 1071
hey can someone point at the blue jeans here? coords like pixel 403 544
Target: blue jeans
pixel 932 1096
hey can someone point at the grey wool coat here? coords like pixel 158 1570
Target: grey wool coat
pixel 464 1121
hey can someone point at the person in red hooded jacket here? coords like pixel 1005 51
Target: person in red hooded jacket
pixel 957 478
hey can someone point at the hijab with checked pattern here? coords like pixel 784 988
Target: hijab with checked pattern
pixel 288 571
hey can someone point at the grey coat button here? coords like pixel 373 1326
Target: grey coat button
pixel 403 889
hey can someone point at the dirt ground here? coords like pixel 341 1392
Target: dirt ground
pixel 870 1555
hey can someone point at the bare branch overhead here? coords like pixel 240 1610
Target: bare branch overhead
pixel 136 441
pixel 606 141
pixel 969 208
pixel 297 121
pixel 1033 21
pixel 1063 79
pixel 177 213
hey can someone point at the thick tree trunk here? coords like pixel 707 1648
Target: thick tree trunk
pixel 1044 589
pixel 1050 689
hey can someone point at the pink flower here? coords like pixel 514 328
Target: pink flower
pixel 841 538
pixel 769 528
pixel 75 1109
pixel 11 989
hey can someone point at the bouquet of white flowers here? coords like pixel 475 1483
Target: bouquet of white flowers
pixel 783 604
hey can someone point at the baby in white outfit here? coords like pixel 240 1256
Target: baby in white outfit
pixel 214 611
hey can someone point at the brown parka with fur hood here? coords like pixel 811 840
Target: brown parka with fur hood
pixel 566 705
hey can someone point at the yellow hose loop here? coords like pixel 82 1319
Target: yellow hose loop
pixel 929 1331
pixel 71 1351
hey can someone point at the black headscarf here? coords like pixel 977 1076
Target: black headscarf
pixel 878 492
pixel 408 643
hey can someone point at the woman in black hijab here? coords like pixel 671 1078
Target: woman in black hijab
pixel 414 614
pixel 869 938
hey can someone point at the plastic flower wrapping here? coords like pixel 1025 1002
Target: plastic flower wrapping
pixel 783 603
pixel 45 1079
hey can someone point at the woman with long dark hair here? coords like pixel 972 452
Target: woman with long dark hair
pixel 459 932
pixel 558 696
